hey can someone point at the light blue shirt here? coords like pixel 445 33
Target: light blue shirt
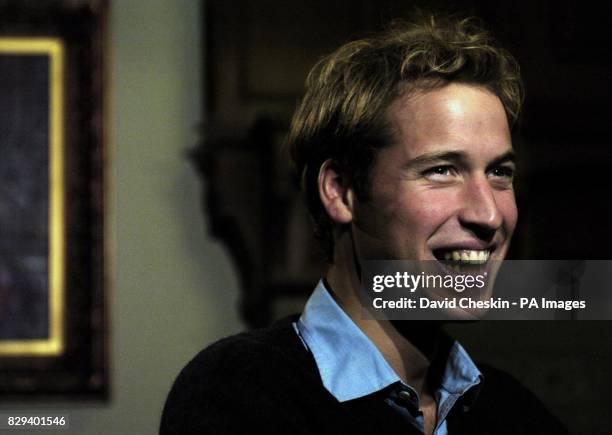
pixel 351 366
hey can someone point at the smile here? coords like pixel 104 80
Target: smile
pixel 463 257
pixel 470 256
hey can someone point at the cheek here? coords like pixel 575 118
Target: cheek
pixel 506 204
pixel 423 212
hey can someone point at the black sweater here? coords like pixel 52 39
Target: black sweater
pixel 265 381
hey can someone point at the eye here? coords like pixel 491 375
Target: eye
pixel 440 172
pixel 502 172
pixel 502 176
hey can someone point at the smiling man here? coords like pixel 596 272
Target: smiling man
pixel 440 190
pixel 403 146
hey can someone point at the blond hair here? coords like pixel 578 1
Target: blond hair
pixel 342 114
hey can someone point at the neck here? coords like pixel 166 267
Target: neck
pixel 408 347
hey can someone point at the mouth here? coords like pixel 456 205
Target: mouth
pixel 464 260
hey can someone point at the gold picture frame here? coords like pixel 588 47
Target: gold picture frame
pixel 53 315
pixel 52 48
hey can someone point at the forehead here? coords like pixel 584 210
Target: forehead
pixel 456 115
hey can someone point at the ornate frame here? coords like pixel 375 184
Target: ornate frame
pixel 68 356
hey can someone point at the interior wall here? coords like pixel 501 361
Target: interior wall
pixel 175 290
pixel 172 290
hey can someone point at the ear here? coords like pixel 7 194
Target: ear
pixel 336 194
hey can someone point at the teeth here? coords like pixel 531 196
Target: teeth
pixel 467 256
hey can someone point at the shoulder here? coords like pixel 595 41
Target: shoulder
pixel 216 389
pixel 236 358
pixel 239 355
pixel 505 403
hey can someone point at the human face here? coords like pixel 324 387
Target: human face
pixel 444 187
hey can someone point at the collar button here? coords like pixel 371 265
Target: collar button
pixel 405 397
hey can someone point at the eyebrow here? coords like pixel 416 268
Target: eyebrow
pixel 458 156
pixel 506 157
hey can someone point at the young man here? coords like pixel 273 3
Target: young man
pixel 404 149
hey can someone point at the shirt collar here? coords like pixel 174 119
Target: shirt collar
pixel 460 373
pixel 461 377
pixel 350 365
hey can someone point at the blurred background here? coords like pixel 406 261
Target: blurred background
pixel 202 216
pixel 171 289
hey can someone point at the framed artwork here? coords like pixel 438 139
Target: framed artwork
pixel 52 310
pixel 32 197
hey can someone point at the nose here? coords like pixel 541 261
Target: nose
pixel 480 213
